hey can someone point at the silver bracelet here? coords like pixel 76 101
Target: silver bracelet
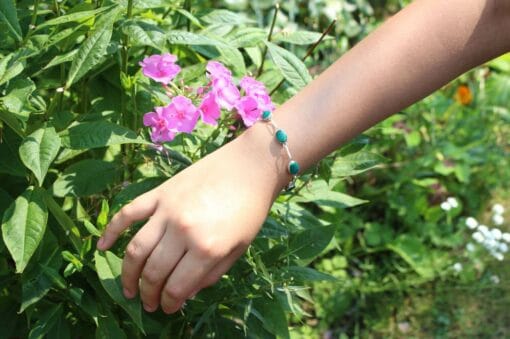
pixel 281 136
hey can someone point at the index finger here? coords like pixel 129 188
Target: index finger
pixel 139 209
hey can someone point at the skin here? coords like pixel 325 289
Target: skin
pixel 202 219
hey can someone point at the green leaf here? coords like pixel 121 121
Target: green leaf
pixel 91 52
pixel 413 251
pixel 298 37
pixel 35 283
pixel 108 268
pixel 64 220
pixel 311 242
pixel 38 150
pixel 91 228
pixel 319 193
pixel 46 322
pixel 97 134
pixel 17 99
pixel 272 316
pixel 144 34
pixel 73 17
pixel 9 17
pixel 23 226
pixel 246 37
pixel 10 66
pixel 232 57
pixel 293 69
pixel 355 163
pixel 10 163
pixel 63 58
pixel 107 328
pixel 132 191
pixel 306 274
pixel 223 16
pixel 84 178
pixel 189 38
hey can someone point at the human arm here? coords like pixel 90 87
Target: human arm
pixel 202 219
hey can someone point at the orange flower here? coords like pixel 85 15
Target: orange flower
pixel 464 95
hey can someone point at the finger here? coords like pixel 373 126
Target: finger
pixel 158 267
pixel 187 276
pixel 137 251
pixel 139 209
pixel 218 271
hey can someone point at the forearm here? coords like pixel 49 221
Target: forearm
pixel 424 46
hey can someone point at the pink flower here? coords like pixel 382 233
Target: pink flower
pixel 210 110
pixel 248 109
pixel 216 70
pixel 258 91
pixel 161 68
pixel 226 93
pixel 158 121
pixel 183 115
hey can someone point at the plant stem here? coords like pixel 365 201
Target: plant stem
pixel 269 36
pixel 123 99
pixel 32 23
pixel 310 51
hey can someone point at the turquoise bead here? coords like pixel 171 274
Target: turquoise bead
pixel 266 115
pixel 293 167
pixel 281 136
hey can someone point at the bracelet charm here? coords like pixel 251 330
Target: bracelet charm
pixel 281 136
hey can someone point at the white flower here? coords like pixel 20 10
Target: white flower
pixel 478 237
pixel 498 209
pixel 495 279
pixel 499 256
pixel 506 237
pixel 453 202
pixel 483 229
pixel 457 267
pixel 498 219
pixel 471 223
pixel 503 248
pixel 496 233
pixel 445 206
pixel 470 247
pixel 491 244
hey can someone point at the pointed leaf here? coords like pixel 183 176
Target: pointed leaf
pixel 311 242
pixel 9 17
pixel 93 49
pixel 38 150
pixel 293 69
pixel 84 178
pixel 96 134
pixel 23 226
pixel 272 316
pixel 108 267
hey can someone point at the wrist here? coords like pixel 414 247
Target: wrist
pixel 265 157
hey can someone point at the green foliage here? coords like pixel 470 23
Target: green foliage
pixel 74 152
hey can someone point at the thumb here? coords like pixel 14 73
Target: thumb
pixel 139 209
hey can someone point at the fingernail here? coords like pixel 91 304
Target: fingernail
pixel 100 243
pixel 127 293
pixel 148 308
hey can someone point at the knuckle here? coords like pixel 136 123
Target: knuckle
pixel 150 276
pixel 134 250
pixel 125 212
pixel 185 225
pixel 175 292
pixel 210 249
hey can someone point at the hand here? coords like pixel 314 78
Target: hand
pixel 199 222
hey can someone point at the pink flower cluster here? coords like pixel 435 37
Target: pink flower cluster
pixel 181 115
